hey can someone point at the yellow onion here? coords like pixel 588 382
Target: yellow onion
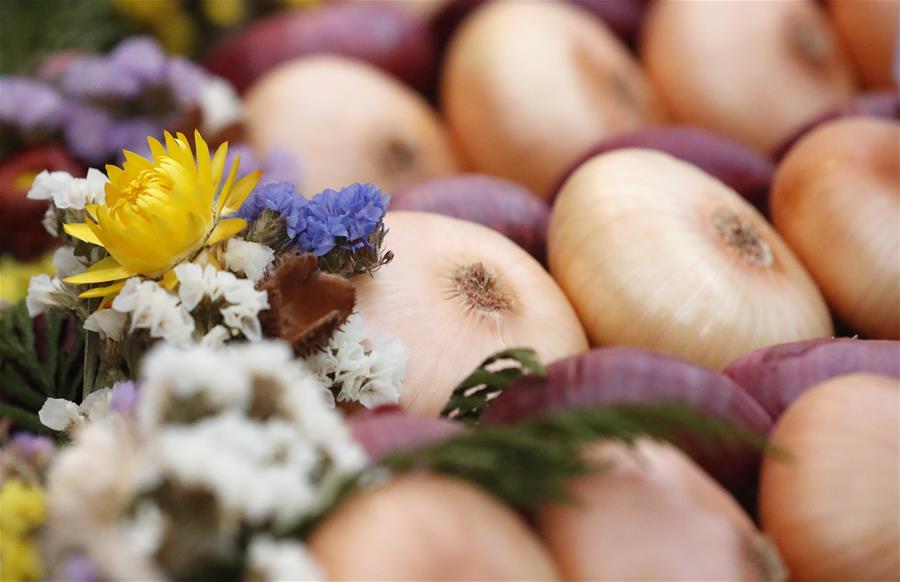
pixel 456 293
pixel 833 505
pixel 426 527
pixel 869 30
pixel 346 121
pixel 654 515
pixel 655 253
pixel 754 71
pixel 529 86
pixel 836 201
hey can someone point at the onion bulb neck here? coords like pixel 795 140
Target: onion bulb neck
pixel 740 234
pixel 763 554
pixel 480 288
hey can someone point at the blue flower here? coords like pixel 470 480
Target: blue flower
pixel 281 198
pixel 344 218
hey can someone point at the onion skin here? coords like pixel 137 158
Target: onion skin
pixel 884 104
pixel 776 376
pixel 869 31
pixel 643 245
pixel 417 297
pixel 754 71
pixel 738 166
pixel 616 375
pixel 505 206
pixel 347 122
pixel 623 17
pixel 839 189
pixel 653 515
pixel 382 434
pixel 527 87
pixel 382 35
pixel 832 506
pixel 427 527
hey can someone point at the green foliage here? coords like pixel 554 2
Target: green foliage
pixel 39 358
pixel 490 379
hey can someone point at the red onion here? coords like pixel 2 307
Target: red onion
pixel 776 376
pixel 505 206
pixel 381 434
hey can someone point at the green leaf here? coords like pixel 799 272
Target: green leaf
pixel 490 379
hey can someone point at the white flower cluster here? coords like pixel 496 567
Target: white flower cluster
pixel 219 104
pixel 68 192
pixel 250 258
pixel 46 292
pixel 281 560
pixel 62 414
pixel 362 369
pixel 150 307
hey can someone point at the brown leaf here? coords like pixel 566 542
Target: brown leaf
pixel 306 305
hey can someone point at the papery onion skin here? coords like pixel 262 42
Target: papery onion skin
pixel 654 515
pixel 382 434
pixel 528 86
pixel 655 253
pixel 884 104
pixel 836 201
pixel 777 375
pixel 738 166
pixel 427 527
pixel 418 298
pixel 616 375
pixel 832 506
pixel 345 121
pixel 505 206
pixel 869 31
pixel 754 71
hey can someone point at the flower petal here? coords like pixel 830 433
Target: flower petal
pixel 226 189
pixel 108 292
pixel 108 269
pixel 83 232
pixel 240 191
pixel 226 229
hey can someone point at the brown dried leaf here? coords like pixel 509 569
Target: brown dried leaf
pixel 307 305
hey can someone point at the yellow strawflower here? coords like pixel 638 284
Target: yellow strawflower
pixel 22 511
pixel 160 212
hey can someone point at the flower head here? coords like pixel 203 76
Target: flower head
pixel 279 197
pixel 344 218
pixel 160 212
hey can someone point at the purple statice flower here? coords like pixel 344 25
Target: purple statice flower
pixel 29 104
pixel 123 398
pixel 131 135
pixel 280 197
pixel 92 77
pixel 31 447
pixel 79 568
pixel 185 80
pixel 277 165
pixel 140 59
pixel 345 218
pixel 86 130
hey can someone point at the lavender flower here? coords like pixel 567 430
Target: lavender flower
pixel 92 77
pixel 344 218
pixel 281 198
pixel 80 568
pixel 131 135
pixel 31 447
pixel 140 59
pixel 185 80
pixel 277 165
pixel 124 397
pixel 30 104
pixel 86 130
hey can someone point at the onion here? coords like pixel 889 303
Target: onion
pixel 528 86
pixel 836 201
pixel 347 122
pixel 655 253
pixel 382 35
pixel 380 434
pixel 754 71
pixel 739 167
pixel 653 515
pixel 623 17
pixel 615 375
pixel 778 375
pixel 884 104
pixel 869 30
pixel 833 506
pixel 456 293
pixel 425 527
pixel 504 206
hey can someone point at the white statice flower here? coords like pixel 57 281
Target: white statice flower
pixel 50 222
pixel 109 323
pixel 68 192
pixel 240 301
pixel 219 104
pixel 67 263
pixel 368 370
pixel 249 258
pixel 43 294
pixel 61 414
pixel 273 560
pixel 153 308
pixel 216 337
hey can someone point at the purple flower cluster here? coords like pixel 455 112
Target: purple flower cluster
pixel 30 104
pixel 332 219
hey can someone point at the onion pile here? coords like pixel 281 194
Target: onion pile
pixel 425 527
pixel 754 71
pixel 869 30
pixel 833 506
pixel 529 86
pixel 456 293
pixel 836 201
pixel 346 122
pixel 654 515
pixel 655 253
